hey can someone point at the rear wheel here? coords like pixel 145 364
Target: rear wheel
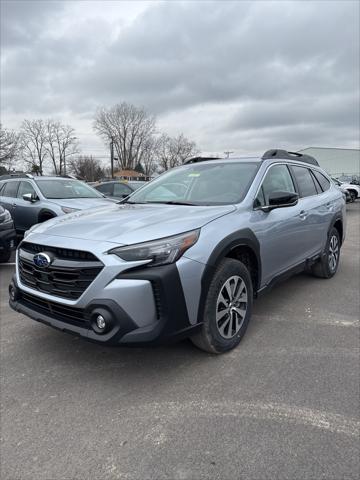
pixel 328 265
pixel 352 195
pixel 227 308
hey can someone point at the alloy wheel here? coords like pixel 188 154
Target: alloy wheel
pixel 231 307
pixel 333 252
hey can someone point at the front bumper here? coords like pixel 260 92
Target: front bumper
pixel 167 309
pixel 7 239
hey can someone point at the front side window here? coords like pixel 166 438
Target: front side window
pixel 277 179
pixel 200 184
pixel 120 190
pixel 59 188
pixel 26 187
pixel 305 181
pixel 10 189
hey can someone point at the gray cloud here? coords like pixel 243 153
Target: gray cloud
pixel 277 72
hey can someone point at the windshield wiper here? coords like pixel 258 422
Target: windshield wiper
pixel 174 202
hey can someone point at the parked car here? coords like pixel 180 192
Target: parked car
pixel 354 190
pixel 345 192
pixel 7 235
pixel 31 200
pixel 353 179
pixel 115 189
pixel 164 265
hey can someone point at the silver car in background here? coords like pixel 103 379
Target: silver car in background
pixel 185 255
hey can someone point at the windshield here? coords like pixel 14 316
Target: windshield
pixel 59 188
pixel 199 184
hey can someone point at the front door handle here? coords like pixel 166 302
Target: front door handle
pixel 14 205
pixel 303 214
pixel 329 206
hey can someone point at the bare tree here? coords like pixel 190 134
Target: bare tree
pixel 61 143
pixel 129 128
pixel 149 157
pixel 33 144
pixel 9 147
pixel 87 167
pixel 174 151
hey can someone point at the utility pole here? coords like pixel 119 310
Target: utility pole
pixel 112 158
pixel 228 153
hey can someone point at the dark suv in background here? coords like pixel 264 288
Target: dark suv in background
pixel 7 235
pixel 31 200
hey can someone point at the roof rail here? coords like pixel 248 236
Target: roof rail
pixel 284 155
pixel 7 176
pixel 200 159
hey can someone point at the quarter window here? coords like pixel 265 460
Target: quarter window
pixel 305 181
pixel 277 179
pixel 324 182
pixel 10 189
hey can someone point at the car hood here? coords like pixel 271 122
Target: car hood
pixel 128 224
pixel 80 203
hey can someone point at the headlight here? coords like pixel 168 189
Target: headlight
pixel 159 252
pixel 69 210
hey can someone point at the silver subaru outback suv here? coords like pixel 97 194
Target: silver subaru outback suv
pixel 185 255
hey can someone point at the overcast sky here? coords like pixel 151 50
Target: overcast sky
pixel 230 75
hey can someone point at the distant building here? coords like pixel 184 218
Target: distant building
pixel 130 175
pixel 336 161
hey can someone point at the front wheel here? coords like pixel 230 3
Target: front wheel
pixel 328 265
pixel 227 308
pixel 352 196
pixel 5 256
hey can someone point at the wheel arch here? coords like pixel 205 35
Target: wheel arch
pixel 241 245
pixel 45 214
pixel 337 222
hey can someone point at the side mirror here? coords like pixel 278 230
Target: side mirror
pixel 29 197
pixel 281 200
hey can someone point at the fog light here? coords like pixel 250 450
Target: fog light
pixel 12 293
pixel 100 322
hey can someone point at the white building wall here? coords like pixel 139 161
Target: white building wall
pixel 336 161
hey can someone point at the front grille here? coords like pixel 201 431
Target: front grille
pixel 63 313
pixel 65 277
pixel 63 253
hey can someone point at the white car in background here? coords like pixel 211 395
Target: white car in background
pixel 354 190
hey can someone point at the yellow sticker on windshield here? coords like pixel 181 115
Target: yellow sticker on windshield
pixel 194 175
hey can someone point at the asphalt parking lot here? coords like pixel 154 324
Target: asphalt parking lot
pixel 284 405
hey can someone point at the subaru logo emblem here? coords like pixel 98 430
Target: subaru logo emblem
pixel 42 260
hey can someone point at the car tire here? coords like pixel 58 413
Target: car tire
pixel 352 196
pixel 5 256
pixel 328 265
pixel 227 309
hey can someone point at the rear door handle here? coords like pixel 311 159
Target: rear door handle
pixel 14 205
pixel 303 214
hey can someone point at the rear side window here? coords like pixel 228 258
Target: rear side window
pixel 10 189
pixel 305 181
pixel 324 182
